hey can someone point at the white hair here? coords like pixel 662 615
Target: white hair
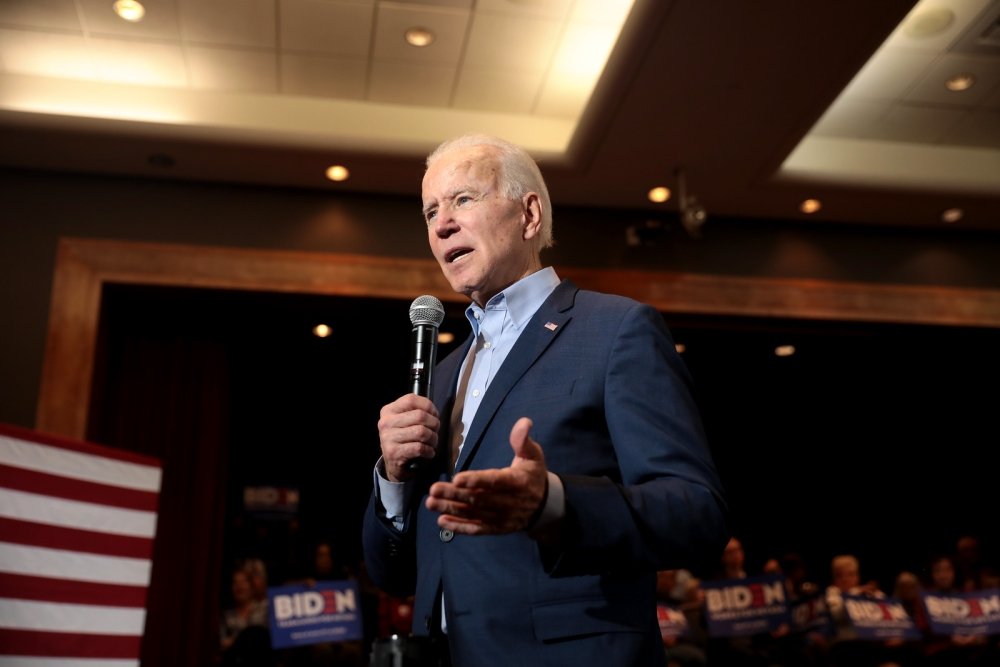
pixel 518 174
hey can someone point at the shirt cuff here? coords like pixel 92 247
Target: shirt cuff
pixel 554 507
pixel 394 496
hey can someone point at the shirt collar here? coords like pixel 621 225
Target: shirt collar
pixel 521 299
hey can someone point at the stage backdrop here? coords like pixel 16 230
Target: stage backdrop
pixel 77 523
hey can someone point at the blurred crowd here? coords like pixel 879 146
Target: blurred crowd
pixel 835 642
pixel 244 639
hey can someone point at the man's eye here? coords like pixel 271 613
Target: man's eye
pixel 429 216
pixel 463 199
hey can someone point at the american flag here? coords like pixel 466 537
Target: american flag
pixel 77 522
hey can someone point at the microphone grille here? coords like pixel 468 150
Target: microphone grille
pixel 426 309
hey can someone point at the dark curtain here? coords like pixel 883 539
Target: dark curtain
pixel 165 393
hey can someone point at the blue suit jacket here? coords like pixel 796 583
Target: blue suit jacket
pixel 613 411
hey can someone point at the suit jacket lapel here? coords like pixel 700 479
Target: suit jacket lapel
pixel 538 334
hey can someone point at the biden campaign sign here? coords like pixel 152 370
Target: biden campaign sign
pixel 741 607
pixel 975 613
pixel 879 618
pixel 329 611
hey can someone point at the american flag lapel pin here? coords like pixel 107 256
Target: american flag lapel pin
pixel 551 326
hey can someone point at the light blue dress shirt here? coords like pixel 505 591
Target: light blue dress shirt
pixel 496 328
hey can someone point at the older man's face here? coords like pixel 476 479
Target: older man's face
pixel 482 241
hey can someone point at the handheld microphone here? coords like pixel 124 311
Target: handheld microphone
pixel 426 315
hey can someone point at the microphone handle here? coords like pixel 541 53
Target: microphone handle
pixel 424 358
pixel 424 337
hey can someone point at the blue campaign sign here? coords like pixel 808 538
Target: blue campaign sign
pixel 742 607
pixel 974 613
pixel 329 611
pixel 879 618
pixel 809 614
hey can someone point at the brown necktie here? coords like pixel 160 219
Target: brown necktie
pixel 456 411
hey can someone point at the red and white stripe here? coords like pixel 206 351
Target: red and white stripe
pixel 77 523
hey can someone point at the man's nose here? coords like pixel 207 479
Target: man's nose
pixel 444 223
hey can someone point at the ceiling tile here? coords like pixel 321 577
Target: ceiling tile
pixel 931 88
pixel 448 26
pixel 411 83
pixel 563 97
pixel 851 118
pixel 323 76
pixel 321 26
pixel 45 54
pixel 506 41
pixel 461 4
pixel 583 50
pixel 146 63
pixel 232 69
pixel 159 22
pixel 502 90
pixel 613 11
pixel 889 76
pixel 47 14
pixel 918 123
pixel 980 35
pixel 229 22
pixel 992 101
pixel 979 129
pixel 557 9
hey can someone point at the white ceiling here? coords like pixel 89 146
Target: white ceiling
pixel 761 104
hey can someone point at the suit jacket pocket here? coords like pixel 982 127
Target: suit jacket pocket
pixel 586 616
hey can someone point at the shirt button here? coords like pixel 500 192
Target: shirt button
pixel 475 392
pixel 487 345
pixel 446 535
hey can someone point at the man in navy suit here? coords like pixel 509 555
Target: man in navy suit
pixel 563 457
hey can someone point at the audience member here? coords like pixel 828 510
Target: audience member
pixel 324 564
pixel 740 651
pixel 968 562
pixel 244 637
pixel 802 646
pixel 257 571
pixel 847 649
pixel 907 653
pixel 680 590
pixel 957 649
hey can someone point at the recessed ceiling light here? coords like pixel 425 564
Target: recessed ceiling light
pixel 130 10
pixel 810 205
pixel 338 173
pixel 784 350
pixel 960 82
pixel 680 347
pixel 419 36
pixel 322 330
pixel 659 194
pixel 445 337
pixel 929 22
pixel 950 215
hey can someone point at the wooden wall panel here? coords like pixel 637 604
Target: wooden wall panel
pixel 83 266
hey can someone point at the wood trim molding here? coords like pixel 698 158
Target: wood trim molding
pixel 83 266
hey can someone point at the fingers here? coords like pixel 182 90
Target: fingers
pixel 408 429
pixel 486 502
pixel 494 501
pixel 519 432
pixel 527 452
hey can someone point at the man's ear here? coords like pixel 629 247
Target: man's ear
pixel 532 207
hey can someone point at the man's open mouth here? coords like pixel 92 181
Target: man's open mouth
pixel 455 254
